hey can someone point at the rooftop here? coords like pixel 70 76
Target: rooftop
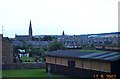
pixel 95 55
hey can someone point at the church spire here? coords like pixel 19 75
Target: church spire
pixel 63 34
pixel 30 29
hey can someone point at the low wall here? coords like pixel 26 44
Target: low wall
pixel 23 66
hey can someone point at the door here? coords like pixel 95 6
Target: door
pixel 71 68
pixel 71 64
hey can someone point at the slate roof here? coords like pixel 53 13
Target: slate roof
pixel 17 43
pixel 38 43
pixel 105 56
pixel 22 37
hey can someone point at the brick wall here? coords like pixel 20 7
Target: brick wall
pixel 23 66
pixel 7 51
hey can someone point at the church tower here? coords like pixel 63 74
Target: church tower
pixel 30 29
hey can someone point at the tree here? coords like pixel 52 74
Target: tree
pixel 56 46
pixel 48 38
pixel 36 52
pixel 35 39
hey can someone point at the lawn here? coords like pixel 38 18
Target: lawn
pixel 91 51
pixel 24 73
pixel 29 73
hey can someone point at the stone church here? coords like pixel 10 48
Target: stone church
pixel 25 37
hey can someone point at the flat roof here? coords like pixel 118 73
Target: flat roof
pixel 103 55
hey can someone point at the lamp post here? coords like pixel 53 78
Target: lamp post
pixel 2 29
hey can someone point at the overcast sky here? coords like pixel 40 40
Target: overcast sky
pixel 51 17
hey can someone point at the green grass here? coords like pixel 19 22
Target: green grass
pixel 91 51
pixel 24 73
pixel 29 73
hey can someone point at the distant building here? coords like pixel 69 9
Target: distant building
pixel 7 51
pixel 22 37
pixel 18 43
pixel 83 64
pixel 25 37
pixel 109 48
pixel 22 40
pixel 23 53
pixel 70 41
pixel 104 39
pixel 27 40
pixel 37 44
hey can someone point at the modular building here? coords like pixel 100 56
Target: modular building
pixel 83 64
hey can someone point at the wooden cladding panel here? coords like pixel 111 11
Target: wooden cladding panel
pixel 65 61
pixel 81 63
pixel 86 64
pixel 48 59
pixel 58 61
pixel 96 65
pixel 105 66
pixel 78 63
pixel 53 60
